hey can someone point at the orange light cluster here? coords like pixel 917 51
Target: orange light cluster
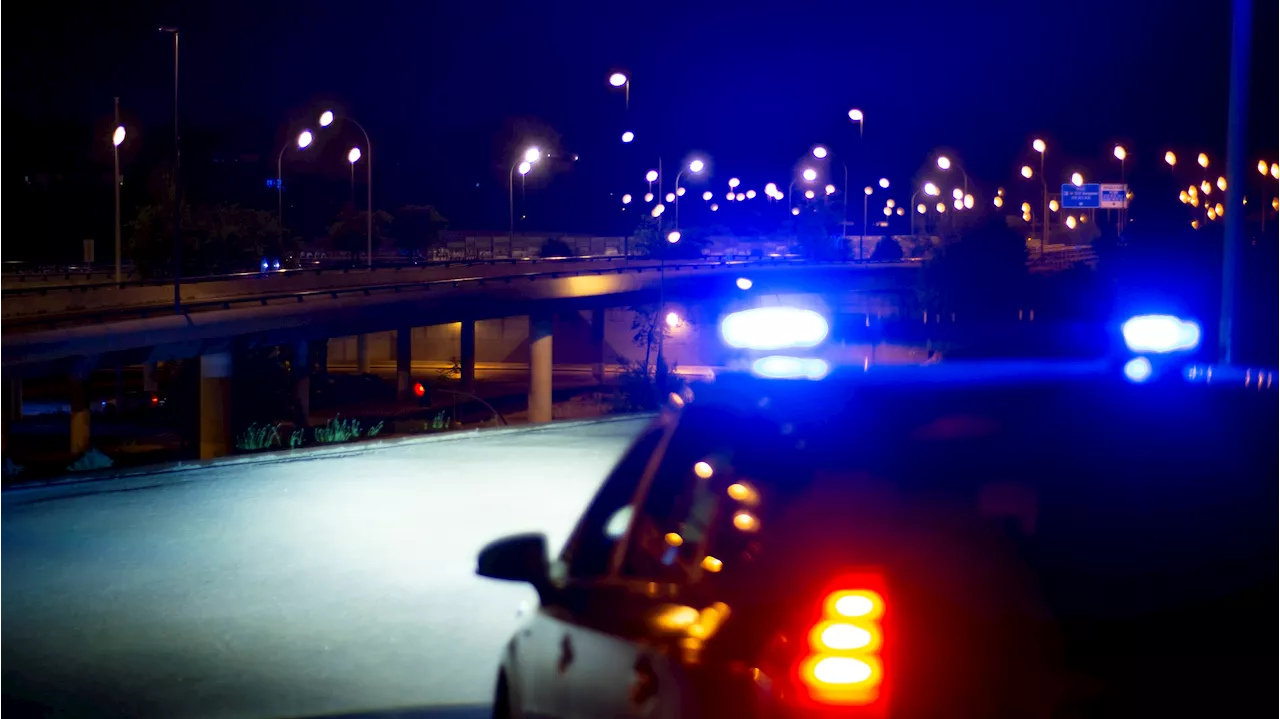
pixel 844 665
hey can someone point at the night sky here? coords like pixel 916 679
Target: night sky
pixel 450 91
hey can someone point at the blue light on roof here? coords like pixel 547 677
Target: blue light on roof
pixel 1138 369
pixel 773 328
pixel 1160 334
pixel 783 367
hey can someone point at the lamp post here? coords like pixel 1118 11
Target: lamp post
pixel 326 119
pixel 821 153
pixel 177 184
pixel 1039 146
pixel 303 141
pixel 809 174
pixel 524 165
pixel 929 189
pixel 620 79
pixel 117 137
pixel 695 167
pixel 1120 154
pixel 353 157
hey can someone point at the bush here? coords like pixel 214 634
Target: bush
pixel 556 247
pixel 887 250
pixel 338 430
pixel 91 460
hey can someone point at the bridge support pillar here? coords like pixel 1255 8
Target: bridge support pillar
pixel 597 344
pixel 215 405
pixel 12 409
pixel 301 371
pixel 540 367
pixel 78 386
pixel 467 354
pixel 404 362
pixel 149 383
pixel 362 354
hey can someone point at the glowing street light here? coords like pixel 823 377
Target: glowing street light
pixel 941 207
pixel 620 79
pixel 900 211
pixel 1038 145
pixel 921 208
pixel 1275 171
pixel 734 182
pixel 696 166
pixel 884 183
pixel 648 197
pixel 957 194
pixel 998 201
pixel 673 319
pixel 1222 185
pixel 671 197
pixel 867 190
pixel 715 207
pixel 808 194
pixel 529 156
pixel 820 152
pixel 707 195
pixel 730 195
pixel 658 209
pixel 117 137
pixel 304 139
pixel 751 194
pixel 1071 222
pixel 809 174
pixel 679 192
pixel 326 118
pixel 795 210
pixel 651 176
pixel 739 197
pixel 1183 197
pixel 1205 187
pixel 628 136
pixel 524 167
pixel 354 155
pixel 1026 207
pixel 1262 166
pixel 1077 179
pixel 771 189
pixel 532 155
pixel 890 202
pixel 888 211
pixel 830 189
pixel 1218 209
pixel 1120 153
pixel 968 202
pixel 930 189
pixel 617 79
pixel 1027 172
pixel 856 115
pixel 1053 205
pixel 673 236
pixel 958 204
pixel 1171 159
pixel 626 199
pixel 1202 160
pixel 944 162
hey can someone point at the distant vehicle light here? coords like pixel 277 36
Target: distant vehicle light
pixel 772 328
pixel 1138 370
pixel 1160 334
pixel 743 283
pixel 419 389
pixel 783 367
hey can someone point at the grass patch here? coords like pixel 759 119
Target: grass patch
pixel 338 430
pixel 259 437
pixel 91 460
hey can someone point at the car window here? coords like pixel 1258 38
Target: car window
pixel 607 518
pixel 704 501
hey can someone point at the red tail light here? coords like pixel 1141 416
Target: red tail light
pixel 419 390
pixel 844 665
pixel 155 399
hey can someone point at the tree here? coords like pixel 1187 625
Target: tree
pixel 556 247
pixel 418 227
pixel 650 238
pixel 887 249
pixel 349 232
pixel 215 239
pixel 982 275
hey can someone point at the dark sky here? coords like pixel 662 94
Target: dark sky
pixel 449 90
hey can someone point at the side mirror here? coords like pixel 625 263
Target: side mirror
pixel 518 558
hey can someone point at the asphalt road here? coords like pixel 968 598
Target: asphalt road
pixel 308 588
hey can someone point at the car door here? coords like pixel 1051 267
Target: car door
pixel 634 632
pixel 548 655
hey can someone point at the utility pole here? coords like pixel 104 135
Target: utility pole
pixel 1237 136
pixel 177 182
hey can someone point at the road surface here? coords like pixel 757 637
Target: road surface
pixel 308 588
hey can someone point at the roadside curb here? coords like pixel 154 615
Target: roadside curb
pixel 174 469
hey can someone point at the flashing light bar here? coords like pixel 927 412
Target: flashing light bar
pixel 773 328
pixel 783 367
pixel 1160 334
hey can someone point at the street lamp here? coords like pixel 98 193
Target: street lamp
pixel 856 115
pixel 303 141
pixel 1203 160
pixel 353 157
pixel 1077 179
pixel 820 152
pixel 944 163
pixel 930 189
pixel 1170 158
pixel 884 183
pixel 524 165
pixel 628 136
pixel 626 199
pixel 117 137
pixel 1039 146
pixel 696 166
pixel 619 79
pixel 176 179
pixel 326 119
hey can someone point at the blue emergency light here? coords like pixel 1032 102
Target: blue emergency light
pixel 774 328
pixel 1160 334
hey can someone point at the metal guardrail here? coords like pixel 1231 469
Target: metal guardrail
pixel 318 271
pixel 188 308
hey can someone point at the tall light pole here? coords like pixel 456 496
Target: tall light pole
pixel 929 189
pixel 353 157
pixel 820 152
pixel 303 141
pixel 1120 154
pixel 326 119
pixel 695 167
pixel 117 137
pixel 177 184
pixel 620 79
pixel 524 164
pixel 1039 146
pixel 809 174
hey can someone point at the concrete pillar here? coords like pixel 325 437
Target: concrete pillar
pixel 362 354
pixel 12 410
pixel 404 362
pixel 540 368
pixel 597 344
pixel 467 355
pixel 215 405
pixel 78 388
pixel 119 389
pixel 301 373
pixel 149 383
pixel 320 355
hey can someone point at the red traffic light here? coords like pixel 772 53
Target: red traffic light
pixel 419 390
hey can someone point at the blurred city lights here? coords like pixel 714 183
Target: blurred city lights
pixel 1275 171
pixel 855 114
pixel 795 210
pixel 679 192
pixel 930 189
pixel 671 197
pixel 1038 145
pixel 304 139
pixel 673 236
pixel 1120 153
pixel 751 194
pixel 888 211
pixel 820 152
pixel 326 118
pixel 921 208
pixel 1071 221
pixel 658 209
pixel 1218 209
pixel 648 197
pixel 1275 201
pixel 944 162
pixel 354 155
pixel 739 197
pixel 957 194
pixel 651 176
pixel 1026 207
pixel 867 190
pixel 808 194
pixel 890 202
pixel 1205 187
pixel 1211 214
pixel 999 192
pixel 831 189
pixel 958 204
pixel 743 283
pixel 617 79
pixel 1077 179
pixel 1026 171
pixel 734 182
pixel 968 202
pixel 707 195
pixel 1183 197
pixel 1170 158
pixel 900 211
pixel 884 183
pixel 1262 167
pixel 998 201
pixel 714 207
pixel 1222 185
pixel 696 166
pixel 1203 160
pixel 673 320
pixel 771 189
pixel 626 199
pixel 809 174
pixel 524 167
pixel 1053 205
pixel 628 136
pixel 730 195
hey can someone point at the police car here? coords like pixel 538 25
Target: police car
pixel 806 539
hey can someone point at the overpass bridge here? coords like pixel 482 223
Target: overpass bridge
pixel 138 326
